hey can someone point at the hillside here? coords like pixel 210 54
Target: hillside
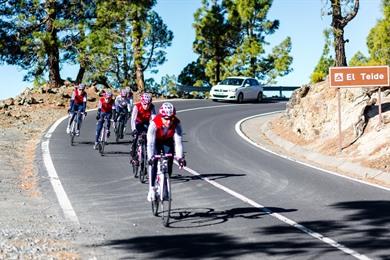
pixel 311 120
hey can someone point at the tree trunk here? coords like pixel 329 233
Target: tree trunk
pixel 52 47
pixel 218 71
pixel 338 24
pixel 80 75
pixel 341 59
pixel 125 64
pixel 137 39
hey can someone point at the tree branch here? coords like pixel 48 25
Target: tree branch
pixel 351 15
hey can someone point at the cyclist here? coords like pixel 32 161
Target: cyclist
pixel 105 107
pixel 164 134
pixel 78 102
pixel 143 112
pixel 123 104
pixel 129 93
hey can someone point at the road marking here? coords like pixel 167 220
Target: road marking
pixel 62 198
pixel 240 133
pixel 70 214
pixel 280 217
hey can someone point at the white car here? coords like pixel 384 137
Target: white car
pixel 237 89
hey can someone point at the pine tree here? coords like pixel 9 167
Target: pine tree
pixel 339 21
pixel 378 40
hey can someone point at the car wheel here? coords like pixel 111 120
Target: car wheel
pixel 259 97
pixel 240 98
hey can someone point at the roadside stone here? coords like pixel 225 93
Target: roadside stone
pixel 91 99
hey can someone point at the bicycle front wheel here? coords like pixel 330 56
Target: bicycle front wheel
pixel 72 132
pixel 166 201
pixel 135 170
pixel 102 142
pixel 155 204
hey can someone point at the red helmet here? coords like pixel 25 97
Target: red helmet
pixel 146 98
pixel 167 110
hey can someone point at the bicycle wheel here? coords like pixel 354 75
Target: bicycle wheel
pixel 144 165
pixel 118 127
pixel 155 204
pixel 166 201
pixel 121 128
pixel 102 142
pixel 72 133
pixel 135 170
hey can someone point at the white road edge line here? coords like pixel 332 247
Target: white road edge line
pixel 70 214
pixel 62 198
pixel 278 216
pixel 240 133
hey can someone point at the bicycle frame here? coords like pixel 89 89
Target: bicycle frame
pixel 103 137
pixel 120 125
pixel 75 122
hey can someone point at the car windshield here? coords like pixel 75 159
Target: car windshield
pixel 232 82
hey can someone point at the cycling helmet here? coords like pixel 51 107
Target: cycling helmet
pixel 167 110
pixel 123 93
pixel 146 98
pixel 108 94
pixel 81 86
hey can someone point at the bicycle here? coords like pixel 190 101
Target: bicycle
pixel 163 194
pixel 73 127
pixel 141 158
pixel 103 137
pixel 120 126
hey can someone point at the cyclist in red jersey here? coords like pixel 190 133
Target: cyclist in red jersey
pixel 143 112
pixel 78 102
pixel 105 108
pixel 164 135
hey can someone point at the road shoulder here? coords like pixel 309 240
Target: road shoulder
pixel 258 130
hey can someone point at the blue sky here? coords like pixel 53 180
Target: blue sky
pixel 299 19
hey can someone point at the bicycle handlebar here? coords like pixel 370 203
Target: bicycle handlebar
pixel 158 156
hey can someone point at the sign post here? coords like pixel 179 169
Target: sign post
pixel 352 77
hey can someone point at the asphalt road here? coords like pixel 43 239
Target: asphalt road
pixel 235 201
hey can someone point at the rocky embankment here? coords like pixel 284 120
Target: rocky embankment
pixel 311 120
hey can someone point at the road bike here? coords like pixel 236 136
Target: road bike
pixel 120 126
pixel 102 141
pixel 163 194
pixel 141 166
pixel 76 122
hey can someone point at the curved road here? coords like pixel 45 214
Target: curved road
pixel 234 200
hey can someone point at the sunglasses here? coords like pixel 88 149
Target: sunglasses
pixel 168 117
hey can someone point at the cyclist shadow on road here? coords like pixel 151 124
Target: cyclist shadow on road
pixel 201 217
pixel 211 176
pixel 84 142
pixel 116 154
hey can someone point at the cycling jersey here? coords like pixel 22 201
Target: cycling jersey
pixel 141 116
pixel 123 103
pixel 79 97
pixel 78 101
pixel 106 106
pixel 159 135
pixel 163 133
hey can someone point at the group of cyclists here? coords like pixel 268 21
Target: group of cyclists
pixel 163 129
